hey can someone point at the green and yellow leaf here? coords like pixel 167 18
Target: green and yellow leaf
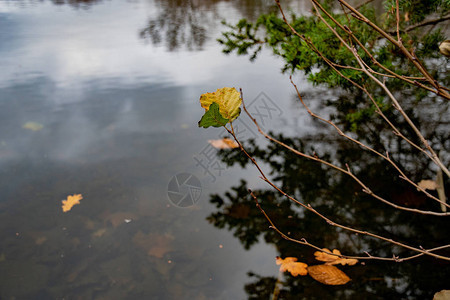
pixel 212 117
pixel 228 99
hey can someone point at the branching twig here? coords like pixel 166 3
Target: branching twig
pixel 428 22
pixel 384 156
pixel 411 57
pixel 363 67
pixel 303 241
pixel 308 206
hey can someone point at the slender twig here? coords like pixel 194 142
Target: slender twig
pixel 397 20
pixel 365 188
pixel 366 70
pixel 303 241
pixel 428 22
pixel 411 57
pixel 384 156
pixel 397 105
pixel 308 206
pixel 362 64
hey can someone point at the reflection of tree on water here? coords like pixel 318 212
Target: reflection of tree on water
pixel 178 23
pixel 77 3
pixel 338 196
pixel 187 23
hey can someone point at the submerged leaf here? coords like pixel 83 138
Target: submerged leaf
pixel 290 264
pixel 228 99
pixel 327 274
pixel 71 201
pixel 224 143
pixel 212 117
pixel 33 126
pixel 333 259
pixel 154 244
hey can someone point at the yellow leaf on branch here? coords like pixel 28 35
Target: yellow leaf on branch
pixel 71 201
pixel 334 259
pixel 228 99
pixel 290 264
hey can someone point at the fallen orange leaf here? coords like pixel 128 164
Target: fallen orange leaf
pixel 329 275
pixel 291 265
pixel 71 201
pixel 333 259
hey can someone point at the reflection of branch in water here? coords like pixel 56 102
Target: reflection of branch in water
pixel 77 3
pixel 179 23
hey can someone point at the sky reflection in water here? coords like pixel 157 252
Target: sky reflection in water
pixel 119 117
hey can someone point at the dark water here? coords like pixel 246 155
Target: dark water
pixel 100 98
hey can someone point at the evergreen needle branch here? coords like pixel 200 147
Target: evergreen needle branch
pixel 363 66
pixel 410 80
pixel 411 57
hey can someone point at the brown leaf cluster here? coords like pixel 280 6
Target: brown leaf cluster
pixel 326 273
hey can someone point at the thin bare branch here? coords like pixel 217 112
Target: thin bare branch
pixel 428 22
pixel 303 241
pixel 308 206
pixel 411 57
pixel 364 146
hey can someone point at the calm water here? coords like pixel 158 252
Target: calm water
pixel 100 98
pixel 113 113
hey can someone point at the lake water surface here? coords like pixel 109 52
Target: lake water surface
pixel 100 98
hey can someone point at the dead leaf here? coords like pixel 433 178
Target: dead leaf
pixel 332 259
pixel 442 295
pixel 224 143
pixel 155 244
pixel 71 201
pixel 290 264
pixel 427 184
pixel 327 274
pixel 40 240
pixel 33 126
pixel 99 232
